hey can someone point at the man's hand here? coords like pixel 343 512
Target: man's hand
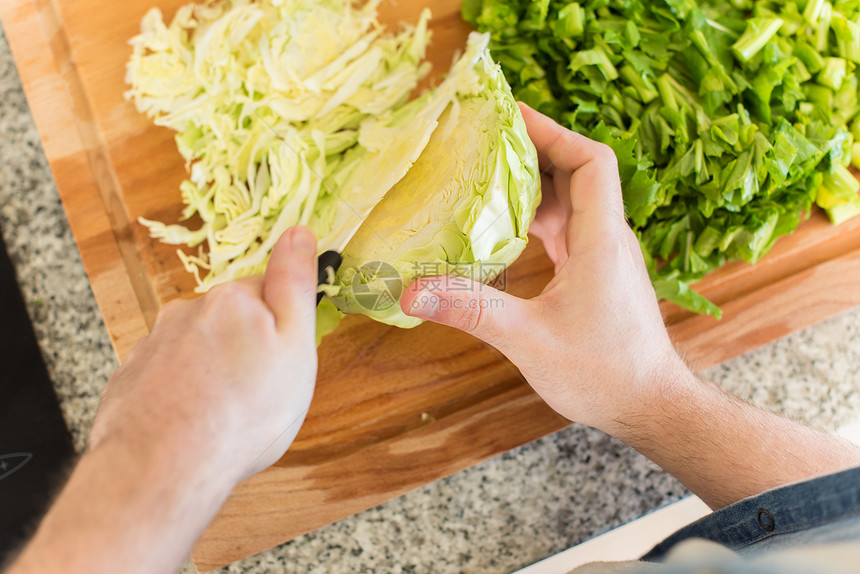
pixel 216 393
pixel 230 374
pixel 594 347
pixel 592 344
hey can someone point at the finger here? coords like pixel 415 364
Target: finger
pixel 477 309
pixel 549 226
pixel 595 191
pixel 290 284
pixel 550 217
pixel 544 163
pixel 561 147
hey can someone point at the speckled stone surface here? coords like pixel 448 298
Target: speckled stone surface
pixel 495 517
pixel 68 325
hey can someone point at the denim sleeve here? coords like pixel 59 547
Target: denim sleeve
pixel 820 510
pixel 811 526
pixel 697 556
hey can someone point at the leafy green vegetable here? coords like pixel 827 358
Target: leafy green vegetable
pixel 464 208
pixel 759 32
pixel 730 118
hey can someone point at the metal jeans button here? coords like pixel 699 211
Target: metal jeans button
pixel 765 520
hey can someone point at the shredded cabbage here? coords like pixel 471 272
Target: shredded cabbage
pixel 265 98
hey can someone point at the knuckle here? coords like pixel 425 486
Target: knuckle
pixel 137 346
pixel 170 312
pixel 563 141
pixel 629 236
pixel 224 291
pixel 234 304
pixel 226 295
pixel 171 307
pixel 468 320
pixel 469 317
pixel 137 349
pixel 605 154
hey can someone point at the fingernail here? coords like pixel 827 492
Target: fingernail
pixel 303 239
pixel 425 305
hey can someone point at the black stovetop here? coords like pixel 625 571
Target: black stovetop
pixel 35 446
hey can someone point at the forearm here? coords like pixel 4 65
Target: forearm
pixel 126 508
pixel 724 449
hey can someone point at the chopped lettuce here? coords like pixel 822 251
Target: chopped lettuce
pixel 730 118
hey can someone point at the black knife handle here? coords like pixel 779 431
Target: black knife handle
pixel 328 260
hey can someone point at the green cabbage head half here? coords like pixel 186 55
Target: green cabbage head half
pixel 463 208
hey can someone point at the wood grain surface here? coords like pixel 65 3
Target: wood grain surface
pixel 394 409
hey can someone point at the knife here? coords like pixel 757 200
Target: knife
pixel 331 260
pixel 328 264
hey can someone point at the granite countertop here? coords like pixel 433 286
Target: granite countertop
pixel 495 517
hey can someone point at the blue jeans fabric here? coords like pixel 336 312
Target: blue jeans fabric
pixel 816 511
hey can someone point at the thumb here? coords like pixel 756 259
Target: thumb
pixel 488 314
pixel 290 284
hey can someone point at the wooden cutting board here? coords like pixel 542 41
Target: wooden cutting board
pixel 394 409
